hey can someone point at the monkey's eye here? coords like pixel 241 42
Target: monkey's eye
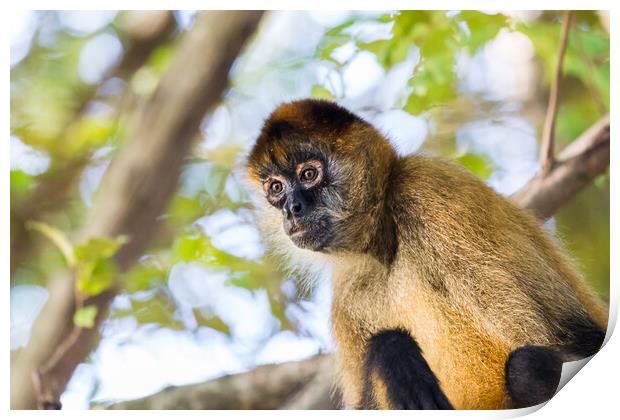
pixel 308 174
pixel 276 187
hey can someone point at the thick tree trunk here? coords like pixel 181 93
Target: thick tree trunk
pixel 134 193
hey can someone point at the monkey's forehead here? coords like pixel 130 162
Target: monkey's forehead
pixel 301 130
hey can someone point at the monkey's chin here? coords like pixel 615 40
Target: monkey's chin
pixel 306 240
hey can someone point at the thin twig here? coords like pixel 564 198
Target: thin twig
pixel 548 140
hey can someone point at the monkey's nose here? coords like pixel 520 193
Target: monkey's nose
pixel 296 208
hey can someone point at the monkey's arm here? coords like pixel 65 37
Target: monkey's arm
pixel 396 375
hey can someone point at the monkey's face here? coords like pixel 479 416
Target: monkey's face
pixel 301 192
pixel 324 169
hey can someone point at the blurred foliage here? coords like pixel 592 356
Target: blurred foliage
pixel 85 317
pixel 583 225
pixel 91 262
pixel 585 88
pixel 436 35
pixel 95 271
pixel 155 308
pixel 80 126
pixel 479 165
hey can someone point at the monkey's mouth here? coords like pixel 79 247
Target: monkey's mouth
pixel 296 229
pixel 311 235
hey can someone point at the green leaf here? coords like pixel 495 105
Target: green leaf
pixel 278 310
pixel 479 165
pixel 21 182
pixel 337 30
pixel 191 247
pixel 158 309
pixel 144 277
pixel 482 27
pixel 433 32
pixel 433 84
pixel 98 248
pixel 86 134
pixel 214 321
pixel 95 271
pixel 333 39
pixel 247 280
pixel 586 17
pixel 577 113
pixel 184 210
pixel 94 277
pixel 336 36
pixel 85 317
pixel 381 50
pixel 321 92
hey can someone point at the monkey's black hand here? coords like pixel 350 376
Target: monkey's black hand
pixel 532 375
pixel 396 360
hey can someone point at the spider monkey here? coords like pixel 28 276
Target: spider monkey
pixel 445 294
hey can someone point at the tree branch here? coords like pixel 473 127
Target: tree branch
pixel 267 387
pixel 135 191
pixel 547 145
pixel 577 165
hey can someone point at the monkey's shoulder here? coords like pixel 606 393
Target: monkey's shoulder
pixel 442 209
pixel 437 179
pixel 429 190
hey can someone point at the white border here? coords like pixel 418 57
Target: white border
pixel 592 395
